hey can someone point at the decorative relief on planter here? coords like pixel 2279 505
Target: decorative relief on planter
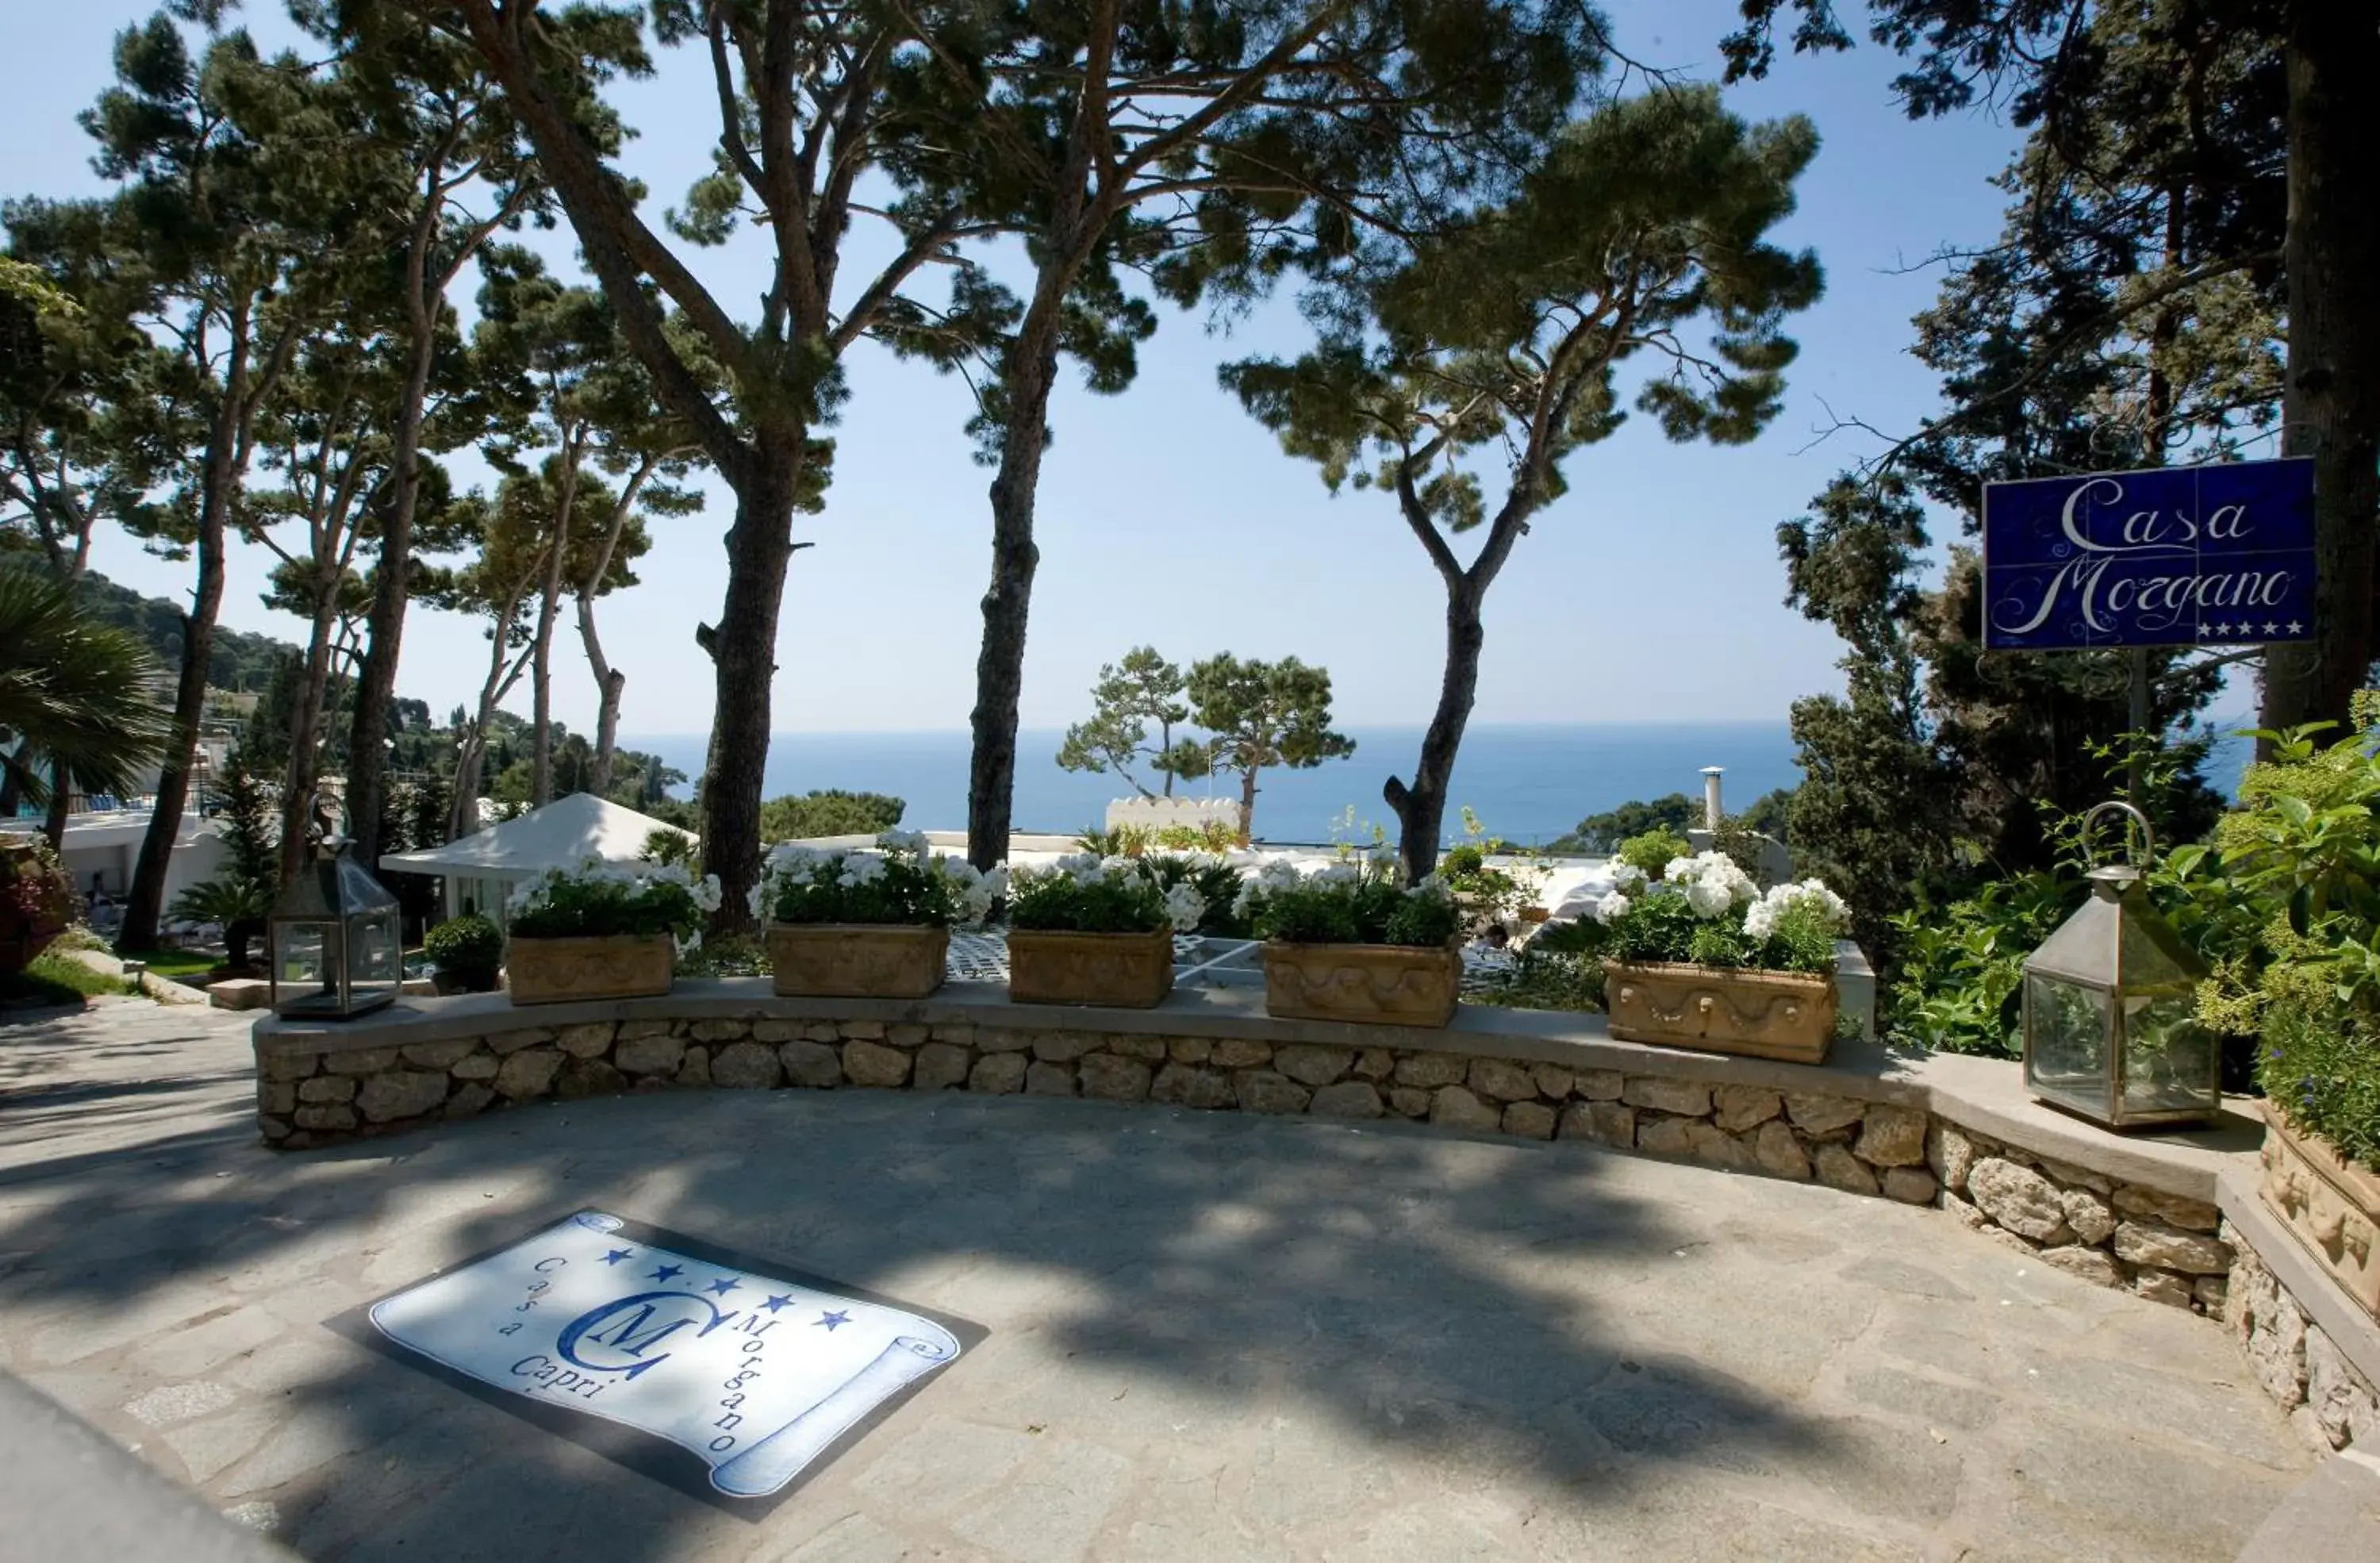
pixel 1377 984
pixel 1786 1015
pixel 1131 971
pixel 858 960
pixel 2329 1203
pixel 556 971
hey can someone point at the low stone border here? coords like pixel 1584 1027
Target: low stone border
pixel 2145 1215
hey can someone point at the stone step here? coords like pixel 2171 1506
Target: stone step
pixel 2331 1516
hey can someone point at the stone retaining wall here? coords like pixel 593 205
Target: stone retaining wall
pixel 2296 1362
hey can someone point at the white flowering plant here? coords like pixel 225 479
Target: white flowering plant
pixel 600 900
pixel 1707 910
pixel 1084 893
pixel 1354 901
pixel 898 881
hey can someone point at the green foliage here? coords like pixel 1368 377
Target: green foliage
pixel 1123 841
pixel 73 693
pixel 601 900
pixel 1654 851
pixel 1490 895
pixel 832 812
pixel 1212 836
pixel 896 881
pixel 37 899
pixel 469 949
pixel 1144 688
pixel 668 845
pixel 1352 903
pixel 1598 834
pixel 1959 982
pixel 1713 915
pixel 56 978
pixel 1084 895
pixel 1216 883
pixel 1264 714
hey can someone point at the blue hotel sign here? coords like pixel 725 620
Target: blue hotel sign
pixel 2221 554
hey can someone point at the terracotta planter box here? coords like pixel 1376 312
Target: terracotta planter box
pixel 2330 1204
pixel 555 971
pixel 1786 1015
pixel 1371 984
pixel 1127 970
pixel 858 960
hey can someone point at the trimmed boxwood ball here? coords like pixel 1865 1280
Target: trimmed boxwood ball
pixel 467 950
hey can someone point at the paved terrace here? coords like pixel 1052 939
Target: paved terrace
pixel 1213 1336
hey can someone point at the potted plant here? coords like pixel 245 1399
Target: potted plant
pixel 1347 942
pixel 603 930
pixel 866 922
pixel 467 954
pixel 1702 958
pixel 1094 930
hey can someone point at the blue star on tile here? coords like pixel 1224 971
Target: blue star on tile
pixel 722 1287
pixel 831 1320
pixel 778 1304
pixel 666 1271
pixel 616 1256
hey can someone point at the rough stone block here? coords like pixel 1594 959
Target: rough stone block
pixel 1601 1084
pixel 470 1099
pixel 1778 1151
pixel 1910 1185
pixel 773 1032
pixel 1892 1136
pixel 649 1055
pixel 998 1074
pixel 813 1064
pixel 1707 1141
pixel 1349 1099
pixel 861 1030
pixel 1606 1123
pixel 594 1039
pixel 1683 1098
pixel 1064 1047
pixel 695 1068
pixel 941 1066
pixel 1189 1049
pixel 401 1093
pixel 2163 1286
pixel 1531 1121
pixel 1452 1106
pixel 476 1065
pixel 1554 1083
pixel 2066 1174
pixel 2170 1248
pixel 1410 1101
pixel 325 1116
pixel 1431 1071
pixel 721 1031
pixel 958 1034
pixel 2342 1401
pixel 527 1073
pixel 1239 1053
pixel 1262 1090
pixel 878 1064
pixel 273 1128
pixel 328 1088
pixel 1738 1108
pixel 999 1039
pixel 1148 1049
pixel 504 1043
pixel 1311 1065
pixel 1661 1134
pixel 1181 1085
pixel 2020 1199
pixel 1501 1080
pixel 905 1035
pixel 241 993
pixel 2094 1264
pixel 631 1030
pixel 1044 1079
pixel 1949 1151
pixel 2210 1292
pixel 1822 1114
pixel 745 1066
pixel 582 1078
pixel 367 1061
pixel 1375 1064
pixel 280 1099
pixel 439 1055
pixel 2093 1222
pixel 1963 1210
pixel 291 1066
pixel 2172 1209
pixel 823 1031
pixel 1108 1078
pixel 1838 1169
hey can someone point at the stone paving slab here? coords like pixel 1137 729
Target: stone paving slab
pixel 1213 1336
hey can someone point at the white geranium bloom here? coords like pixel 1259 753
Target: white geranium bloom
pixel 1625 875
pixel 1278 873
pixel 860 868
pixel 757 897
pixel 708 895
pixel 1118 866
pixel 1610 909
pixel 1335 875
pixel 1184 907
pixel 902 841
pixel 1708 898
pixel 1433 887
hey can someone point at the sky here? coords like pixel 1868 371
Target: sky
pixel 1650 592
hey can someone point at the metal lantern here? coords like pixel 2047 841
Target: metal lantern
pixel 333 935
pixel 2111 1029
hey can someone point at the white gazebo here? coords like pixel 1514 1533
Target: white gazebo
pixel 481 868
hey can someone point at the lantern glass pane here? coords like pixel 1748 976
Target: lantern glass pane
pixel 2169 1059
pixel 374 957
pixel 2065 1043
pixel 298 957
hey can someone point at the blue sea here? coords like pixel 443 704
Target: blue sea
pixel 1527 783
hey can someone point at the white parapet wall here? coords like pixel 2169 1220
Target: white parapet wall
pixel 1157 814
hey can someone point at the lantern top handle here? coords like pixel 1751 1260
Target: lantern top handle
pixel 2148 835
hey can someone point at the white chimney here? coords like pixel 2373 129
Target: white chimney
pixel 1712 813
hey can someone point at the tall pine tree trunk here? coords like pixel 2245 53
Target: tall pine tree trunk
pixel 548 603
pixel 1421 807
pixel 303 771
pixel 743 653
pixel 609 683
pixel 2331 402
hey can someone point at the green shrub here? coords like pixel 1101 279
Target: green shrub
pixel 899 880
pixel 1653 850
pixel 1547 979
pixel 469 949
pixel 1218 883
pixel 601 899
pixel 832 812
pixel 1085 894
pixel 1352 902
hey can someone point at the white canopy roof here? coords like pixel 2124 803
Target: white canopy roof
pixel 562 835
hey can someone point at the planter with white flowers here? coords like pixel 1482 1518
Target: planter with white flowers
pixel 1347 942
pixel 603 931
pixel 866 922
pixel 1094 930
pixel 1702 958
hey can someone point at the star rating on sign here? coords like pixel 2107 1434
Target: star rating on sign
pixel 617 1255
pixel 663 1272
pixel 722 1287
pixel 829 1321
pixel 777 1304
